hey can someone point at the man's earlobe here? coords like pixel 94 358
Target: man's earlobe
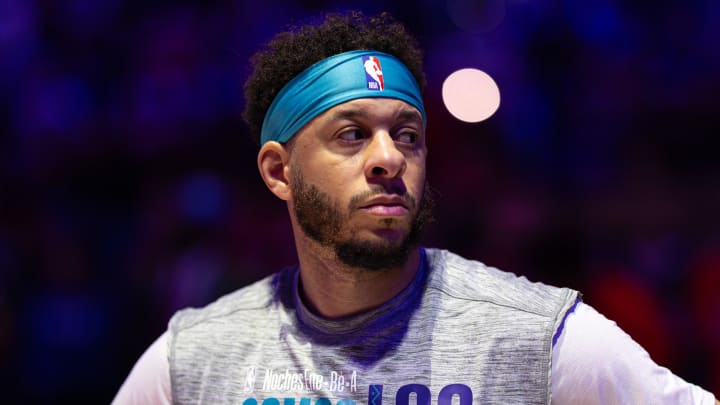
pixel 272 161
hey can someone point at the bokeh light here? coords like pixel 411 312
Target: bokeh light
pixel 471 95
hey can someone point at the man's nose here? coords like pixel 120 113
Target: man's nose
pixel 384 160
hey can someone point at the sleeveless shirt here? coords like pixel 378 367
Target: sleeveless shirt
pixel 459 330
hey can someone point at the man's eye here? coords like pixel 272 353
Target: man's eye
pixel 351 135
pixel 406 137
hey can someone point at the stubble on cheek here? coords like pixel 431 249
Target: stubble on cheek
pixel 322 220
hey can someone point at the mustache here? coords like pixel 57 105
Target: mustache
pixel 357 200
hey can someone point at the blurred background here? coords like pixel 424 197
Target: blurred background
pixel 128 184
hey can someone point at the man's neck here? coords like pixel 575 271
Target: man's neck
pixel 334 290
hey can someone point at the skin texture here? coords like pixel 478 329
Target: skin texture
pixel 323 220
pixel 366 158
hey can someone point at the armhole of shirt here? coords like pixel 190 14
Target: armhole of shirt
pixel 560 328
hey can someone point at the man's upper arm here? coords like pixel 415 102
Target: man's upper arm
pixel 149 380
pixel 595 362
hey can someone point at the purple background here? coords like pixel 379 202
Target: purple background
pixel 128 184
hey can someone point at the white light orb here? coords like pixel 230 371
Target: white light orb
pixel 471 95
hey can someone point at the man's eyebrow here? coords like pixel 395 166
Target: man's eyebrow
pixel 405 115
pixel 410 115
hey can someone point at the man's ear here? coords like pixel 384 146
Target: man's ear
pixel 272 161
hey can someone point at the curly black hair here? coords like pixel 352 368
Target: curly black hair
pixel 291 52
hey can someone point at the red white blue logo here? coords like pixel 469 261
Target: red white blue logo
pixel 373 73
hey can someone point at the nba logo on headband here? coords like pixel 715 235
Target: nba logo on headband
pixel 373 73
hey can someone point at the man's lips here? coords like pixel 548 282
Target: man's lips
pixel 386 210
pixel 386 206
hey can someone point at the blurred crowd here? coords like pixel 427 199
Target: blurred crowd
pixel 129 189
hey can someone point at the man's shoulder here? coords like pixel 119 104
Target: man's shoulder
pixel 467 279
pixel 245 302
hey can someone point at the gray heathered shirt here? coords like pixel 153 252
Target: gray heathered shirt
pixel 460 330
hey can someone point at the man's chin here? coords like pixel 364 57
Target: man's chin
pixel 374 254
pixel 382 236
pixel 389 228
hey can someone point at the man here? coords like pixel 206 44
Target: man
pixel 369 316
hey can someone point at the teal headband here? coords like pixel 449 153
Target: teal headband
pixel 335 80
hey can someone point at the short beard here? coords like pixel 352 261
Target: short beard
pixel 322 220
